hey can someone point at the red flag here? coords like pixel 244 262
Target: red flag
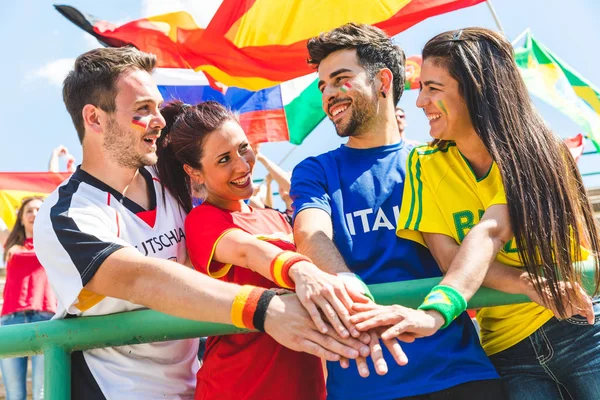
pixel 575 145
pixel 255 44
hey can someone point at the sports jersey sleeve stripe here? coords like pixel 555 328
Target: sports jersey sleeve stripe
pixel 224 269
pixel 412 157
pixel 86 251
pixel 419 195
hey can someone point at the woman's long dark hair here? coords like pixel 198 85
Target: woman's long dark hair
pixel 550 213
pixel 181 143
pixel 17 235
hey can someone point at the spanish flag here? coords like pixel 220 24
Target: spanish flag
pixel 256 44
pixel 14 186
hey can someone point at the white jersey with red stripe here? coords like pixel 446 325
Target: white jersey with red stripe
pixel 78 226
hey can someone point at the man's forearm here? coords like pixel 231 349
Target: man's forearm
pixel 313 233
pixel 322 251
pixel 165 286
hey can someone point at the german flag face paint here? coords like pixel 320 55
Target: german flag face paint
pixel 140 123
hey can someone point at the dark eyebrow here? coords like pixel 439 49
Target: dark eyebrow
pixel 149 100
pixel 427 83
pixel 333 75
pixel 222 155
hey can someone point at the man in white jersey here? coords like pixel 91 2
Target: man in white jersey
pixel 111 240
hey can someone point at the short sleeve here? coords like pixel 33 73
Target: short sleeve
pixel 309 187
pixel 420 211
pixel 500 195
pixel 72 239
pixel 204 227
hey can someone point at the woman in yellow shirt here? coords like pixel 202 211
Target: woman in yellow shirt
pixel 497 188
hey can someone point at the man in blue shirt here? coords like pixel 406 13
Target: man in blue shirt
pixel 346 203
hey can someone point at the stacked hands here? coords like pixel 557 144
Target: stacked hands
pixel 334 317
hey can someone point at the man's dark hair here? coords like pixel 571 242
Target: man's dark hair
pixel 94 76
pixel 374 49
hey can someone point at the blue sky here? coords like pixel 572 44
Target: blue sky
pixel 39 46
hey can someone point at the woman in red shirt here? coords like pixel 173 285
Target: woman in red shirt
pixel 205 149
pixel 27 298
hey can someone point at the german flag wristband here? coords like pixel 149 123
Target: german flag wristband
pixel 280 268
pixel 447 301
pixel 249 308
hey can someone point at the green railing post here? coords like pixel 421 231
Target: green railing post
pixel 57 373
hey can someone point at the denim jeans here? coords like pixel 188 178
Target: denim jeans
pixel 489 389
pixel 14 370
pixel 561 360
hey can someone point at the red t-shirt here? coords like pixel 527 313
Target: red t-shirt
pixel 27 286
pixel 249 366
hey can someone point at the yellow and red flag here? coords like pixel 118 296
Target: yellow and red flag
pixel 14 186
pixel 256 44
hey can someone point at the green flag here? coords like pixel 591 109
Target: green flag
pixel 302 104
pixel 558 84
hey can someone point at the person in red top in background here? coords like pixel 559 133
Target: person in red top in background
pixel 206 148
pixel 27 298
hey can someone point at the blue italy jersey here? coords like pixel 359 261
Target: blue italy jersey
pixel 361 189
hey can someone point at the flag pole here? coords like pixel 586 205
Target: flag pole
pixel 494 15
pixel 289 153
pixel 518 38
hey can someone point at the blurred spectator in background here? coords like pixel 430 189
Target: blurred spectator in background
pixel 27 298
pixel 281 177
pixel 53 166
pixel 402 124
pixel 58 152
pixel 4 232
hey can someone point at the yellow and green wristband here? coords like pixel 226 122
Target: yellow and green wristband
pixel 447 301
pixel 249 308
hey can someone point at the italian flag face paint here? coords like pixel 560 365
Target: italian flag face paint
pixel 347 86
pixel 139 123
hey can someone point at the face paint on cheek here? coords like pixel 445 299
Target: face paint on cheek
pixel 347 86
pixel 442 106
pixel 140 123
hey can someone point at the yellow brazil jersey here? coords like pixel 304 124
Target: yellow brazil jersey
pixel 443 195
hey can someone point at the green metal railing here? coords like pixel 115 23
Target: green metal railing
pixel 57 339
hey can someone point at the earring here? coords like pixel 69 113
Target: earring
pixel 383 94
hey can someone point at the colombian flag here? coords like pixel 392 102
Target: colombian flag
pixel 15 186
pixel 256 44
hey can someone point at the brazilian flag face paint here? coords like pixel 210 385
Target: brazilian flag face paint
pixel 442 106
